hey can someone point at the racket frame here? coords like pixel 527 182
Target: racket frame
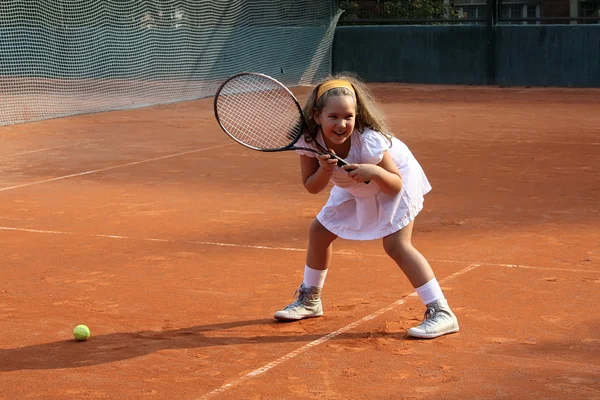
pixel 302 120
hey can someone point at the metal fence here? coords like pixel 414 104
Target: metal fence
pixel 549 11
pixel 438 12
pixel 373 12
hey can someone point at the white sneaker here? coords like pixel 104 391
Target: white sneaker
pixel 439 320
pixel 307 305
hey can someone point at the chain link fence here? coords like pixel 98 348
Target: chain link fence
pixel 403 12
pixel 439 12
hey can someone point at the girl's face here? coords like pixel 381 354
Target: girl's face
pixel 337 119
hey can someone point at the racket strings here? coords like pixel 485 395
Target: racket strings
pixel 259 112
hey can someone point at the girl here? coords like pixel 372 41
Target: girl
pixel 378 195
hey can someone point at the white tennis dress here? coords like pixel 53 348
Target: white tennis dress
pixel 359 211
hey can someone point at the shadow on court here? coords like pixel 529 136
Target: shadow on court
pixel 122 346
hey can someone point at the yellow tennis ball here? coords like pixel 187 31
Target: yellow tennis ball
pixel 81 332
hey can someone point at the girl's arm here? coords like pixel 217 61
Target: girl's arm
pixel 385 174
pixel 316 172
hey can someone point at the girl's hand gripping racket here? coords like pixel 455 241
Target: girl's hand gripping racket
pixel 260 113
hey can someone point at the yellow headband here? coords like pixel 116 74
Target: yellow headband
pixel 332 84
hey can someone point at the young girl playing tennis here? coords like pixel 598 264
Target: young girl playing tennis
pixel 377 196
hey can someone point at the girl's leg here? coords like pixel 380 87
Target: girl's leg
pixel 320 246
pixel 399 247
pixel 439 319
pixel 318 257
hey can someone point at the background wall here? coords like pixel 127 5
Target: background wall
pixel 544 55
pixel 556 55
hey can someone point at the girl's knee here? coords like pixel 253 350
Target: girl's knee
pixel 396 248
pixel 318 232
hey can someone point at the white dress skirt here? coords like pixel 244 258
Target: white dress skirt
pixel 359 211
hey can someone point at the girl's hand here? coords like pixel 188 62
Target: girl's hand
pixel 362 172
pixel 326 162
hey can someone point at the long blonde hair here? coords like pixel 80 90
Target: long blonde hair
pixel 368 114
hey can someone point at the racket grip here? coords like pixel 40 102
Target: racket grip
pixel 342 162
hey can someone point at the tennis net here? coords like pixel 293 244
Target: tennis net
pixel 68 57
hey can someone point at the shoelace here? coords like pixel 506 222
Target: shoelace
pixel 430 317
pixel 299 294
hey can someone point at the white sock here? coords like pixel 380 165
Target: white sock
pixel 314 277
pixel 430 292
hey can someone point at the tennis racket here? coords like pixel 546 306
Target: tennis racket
pixel 260 113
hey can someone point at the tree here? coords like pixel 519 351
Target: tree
pixel 395 10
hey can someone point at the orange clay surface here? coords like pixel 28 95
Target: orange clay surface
pixel 175 245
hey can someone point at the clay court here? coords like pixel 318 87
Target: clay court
pixel 176 245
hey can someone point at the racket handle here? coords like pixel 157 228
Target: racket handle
pixel 341 162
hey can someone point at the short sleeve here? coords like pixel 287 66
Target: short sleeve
pixel 302 143
pixel 374 145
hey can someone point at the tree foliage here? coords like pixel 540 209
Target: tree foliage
pixel 395 10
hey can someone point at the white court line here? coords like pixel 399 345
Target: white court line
pixel 295 249
pixel 7 228
pixel 50 148
pixel 305 348
pixel 113 167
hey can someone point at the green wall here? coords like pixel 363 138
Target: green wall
pixel 555 55
pixel 416 54
pixel 541 55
